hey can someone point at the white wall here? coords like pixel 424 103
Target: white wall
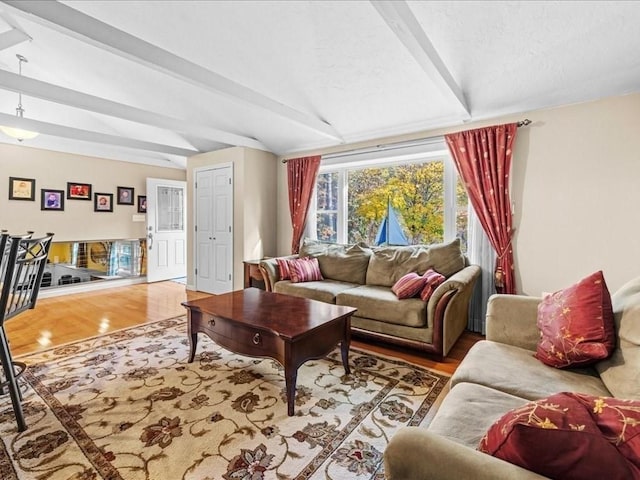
pixel 254 206
pixel 576 180
pixel 575 189
pixel 78 221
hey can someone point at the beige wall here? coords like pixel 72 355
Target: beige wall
pixel 254 206
pixel 575 190
pixel 78 221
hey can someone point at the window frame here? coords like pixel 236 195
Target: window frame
pixel 434 150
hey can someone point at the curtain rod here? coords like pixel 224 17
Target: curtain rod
pixel 418 141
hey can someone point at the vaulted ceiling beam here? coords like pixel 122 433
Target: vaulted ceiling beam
pixel 73 98
pixel 88 29
pixel 88 136
pixel 12 37
pixel 403 23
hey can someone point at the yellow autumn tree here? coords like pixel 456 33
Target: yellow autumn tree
pixel 415 191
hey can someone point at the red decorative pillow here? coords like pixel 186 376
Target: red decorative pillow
pixel 283 268
pixel 558 437
pixel 576 324
pixel 619 422
pixel 408 285
pixel 304 270
pixel 432 280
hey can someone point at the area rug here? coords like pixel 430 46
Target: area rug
pixel 127 405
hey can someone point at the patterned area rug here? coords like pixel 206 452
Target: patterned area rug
pixel 127 405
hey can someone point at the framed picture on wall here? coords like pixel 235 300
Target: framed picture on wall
pixel 22 189
pixel 103 202
pixel 142 204
pixel 78 191
pixel 51 199
pixel 125 196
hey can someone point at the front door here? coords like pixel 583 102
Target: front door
pixel 166 229
pixel 214 225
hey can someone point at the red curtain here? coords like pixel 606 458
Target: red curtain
pixel 483 159
pixel 301 176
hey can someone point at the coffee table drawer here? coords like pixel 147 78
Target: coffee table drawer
pixel 239 338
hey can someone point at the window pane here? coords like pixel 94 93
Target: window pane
pixel 327 227
pixel 415 192
pixel 327 191
pixel 462 214
pixel 169 209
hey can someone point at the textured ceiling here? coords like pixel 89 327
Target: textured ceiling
pixel 157 81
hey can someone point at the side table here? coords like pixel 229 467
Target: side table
pixel 253 275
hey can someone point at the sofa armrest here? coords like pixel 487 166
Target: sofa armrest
pixel 414 453
pixel 512 319
pixel 448 307
pixel 270 273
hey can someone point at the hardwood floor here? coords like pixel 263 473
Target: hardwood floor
pixel 63 319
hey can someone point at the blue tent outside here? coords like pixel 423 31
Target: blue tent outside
pixel 390 231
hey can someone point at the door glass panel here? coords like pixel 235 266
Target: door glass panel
pixel 170 209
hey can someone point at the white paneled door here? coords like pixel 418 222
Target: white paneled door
pixel 214 230
pixel 166 229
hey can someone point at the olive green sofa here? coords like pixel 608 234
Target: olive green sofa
pixel 360 276
pixel 500 374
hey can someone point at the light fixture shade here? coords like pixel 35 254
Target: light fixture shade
pixel 18 133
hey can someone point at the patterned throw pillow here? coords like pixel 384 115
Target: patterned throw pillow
pixel 283 268
pixel 408 285
pixel 570 436
pixel 432 281
pixel 304 270
pixel 576 324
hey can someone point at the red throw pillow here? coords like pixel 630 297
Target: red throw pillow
pixel 576 324
pixel 283 268
pixel 304 270
pixel 619 422
pixel 408 285
pixel 558 438
pixel 432 280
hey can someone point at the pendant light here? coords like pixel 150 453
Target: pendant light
pixel 19 133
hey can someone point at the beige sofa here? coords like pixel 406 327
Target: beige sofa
pixel 499 374
pixel 362 277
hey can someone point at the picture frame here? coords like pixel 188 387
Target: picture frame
pixel 103 202
pixel 78 191
pixel 51 199
pixel 125 195
pixel 142 204
pixel 22 189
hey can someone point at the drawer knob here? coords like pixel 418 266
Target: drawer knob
pixel 212 322
pixel 256 339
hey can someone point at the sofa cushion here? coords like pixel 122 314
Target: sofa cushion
pixel 323 291
pixel 345 263
pixel 621 371
pixel 380 303
pixel 432 280
pixel 409 285
pixel 469 410
pixel 304 270
pixel 557 437
pixel 283 269
pixel 514 370
pixel 576 324
pixel 388 264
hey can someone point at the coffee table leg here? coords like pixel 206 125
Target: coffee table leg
pixel 344 349
pixel 344 346
pixel 193 342
pixel 290 377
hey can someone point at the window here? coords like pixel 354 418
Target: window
pixel 394 198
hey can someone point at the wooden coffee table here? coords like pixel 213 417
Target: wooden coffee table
pixel 288 329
